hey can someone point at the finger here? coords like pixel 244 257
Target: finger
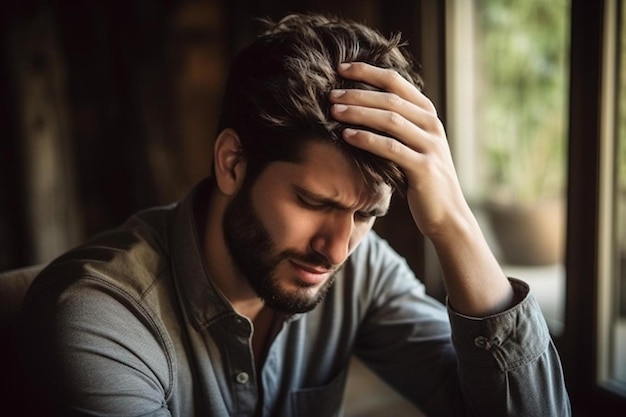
pixel 388 80
pixel 383 146
pixel 385 101
pixel 389 122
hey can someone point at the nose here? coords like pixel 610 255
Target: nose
pixel 333 238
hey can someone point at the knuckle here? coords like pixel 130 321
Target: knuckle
pixel 432 122
pixel 392 76
pixel 429 106
pixel 395 119
pixel 393 101
pixel 393 146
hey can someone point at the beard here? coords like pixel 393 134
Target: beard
pixel 253 253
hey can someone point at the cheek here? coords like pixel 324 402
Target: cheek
pixel 289 227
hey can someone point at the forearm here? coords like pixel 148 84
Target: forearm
pixel 474 280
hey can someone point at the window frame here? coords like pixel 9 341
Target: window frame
pixel 587 209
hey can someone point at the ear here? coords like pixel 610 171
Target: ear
pixel 230 164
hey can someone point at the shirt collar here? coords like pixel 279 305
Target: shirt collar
pixel 204 301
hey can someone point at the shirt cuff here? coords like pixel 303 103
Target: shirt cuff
pixel 505 340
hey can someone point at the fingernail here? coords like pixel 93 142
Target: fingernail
pixel 344 65
pixel 340 107
pixel 347 132
pixel 337 93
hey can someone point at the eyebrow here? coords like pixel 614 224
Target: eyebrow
pixel 327 201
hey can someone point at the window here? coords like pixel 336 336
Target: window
pixel 507 118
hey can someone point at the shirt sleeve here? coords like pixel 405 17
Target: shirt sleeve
pixel 510 359
pixel 91 351
pixel 454 365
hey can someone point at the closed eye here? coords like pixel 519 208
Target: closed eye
pixel 359 216
pixel 313 205
pixel 324 204
pixel 363 217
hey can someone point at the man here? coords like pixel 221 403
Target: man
pixel 249 297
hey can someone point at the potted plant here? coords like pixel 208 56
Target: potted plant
pixel 525 204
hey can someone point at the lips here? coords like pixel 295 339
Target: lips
pixel 308 274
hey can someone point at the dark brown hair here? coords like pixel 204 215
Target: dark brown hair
pixel 276 97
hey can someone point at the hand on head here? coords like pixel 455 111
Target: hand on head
pixel 413 137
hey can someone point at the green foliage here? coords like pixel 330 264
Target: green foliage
pixel 524 50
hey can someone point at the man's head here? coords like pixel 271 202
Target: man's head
pixel 299 198
pixel 276 97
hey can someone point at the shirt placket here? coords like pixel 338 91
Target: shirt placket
pixel 241 367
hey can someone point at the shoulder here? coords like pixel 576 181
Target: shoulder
pixel 128 258
pixel 98 309
pixel 119 276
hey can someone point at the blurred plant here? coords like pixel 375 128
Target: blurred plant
pixel 524 56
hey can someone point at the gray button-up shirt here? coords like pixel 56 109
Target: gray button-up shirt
pixel 131 324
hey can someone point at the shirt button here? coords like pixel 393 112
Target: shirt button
pixel 242 377
pixel 481 342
